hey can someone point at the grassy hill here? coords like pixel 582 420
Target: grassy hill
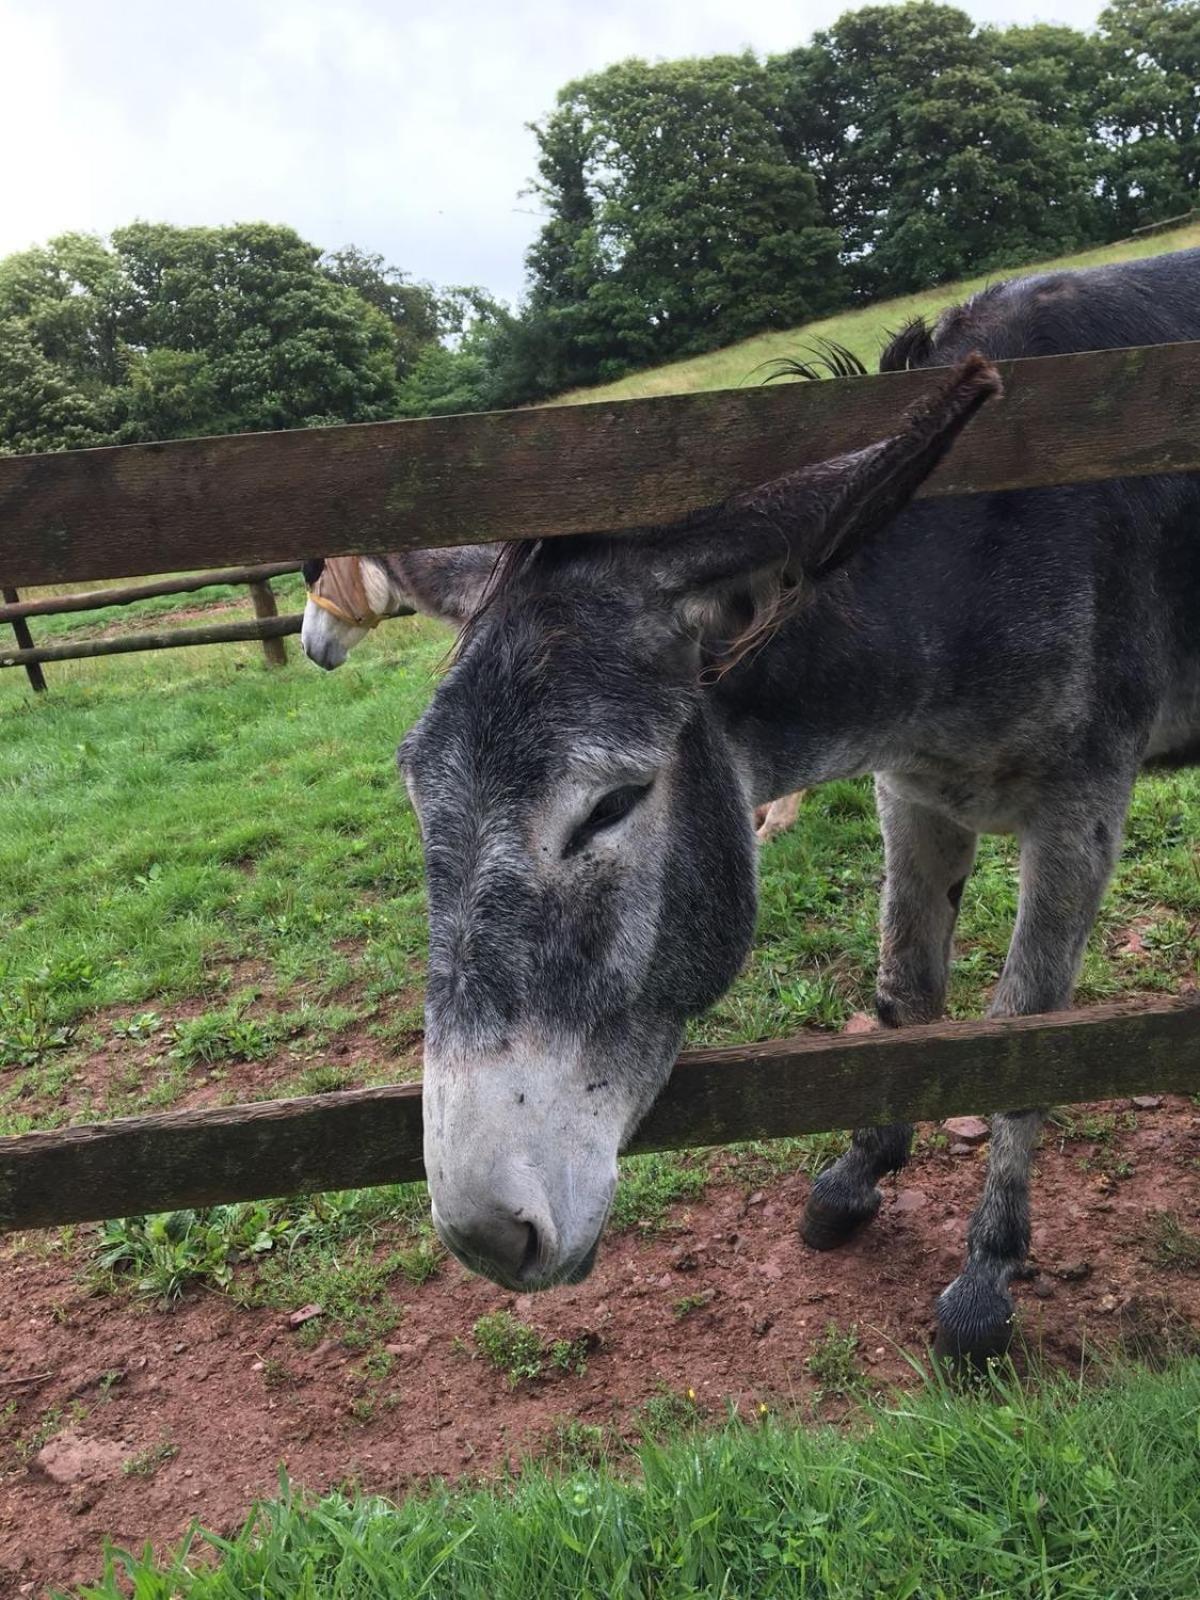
pixel 864 331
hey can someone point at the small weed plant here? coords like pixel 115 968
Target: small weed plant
pixel 517 1350
pixel 224 1036
pixel 833 1362
pixel 147 1462
pixel 511 1346
pixel 1173 1247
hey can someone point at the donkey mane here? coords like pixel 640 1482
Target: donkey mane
pixel 910 347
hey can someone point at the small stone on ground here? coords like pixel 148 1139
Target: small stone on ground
pixel 70 1457
pixel 967 1130
pixel 860 1022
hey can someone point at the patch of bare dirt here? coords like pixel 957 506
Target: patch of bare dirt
pixel 116 628
pixel 726 1302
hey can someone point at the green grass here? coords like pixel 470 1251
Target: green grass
pixel 1067 1493
pixel 168 817
pixel 865 330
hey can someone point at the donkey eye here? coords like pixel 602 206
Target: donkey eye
pixel 613 808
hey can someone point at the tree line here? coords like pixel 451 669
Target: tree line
pixel 690 203
pixel 686 203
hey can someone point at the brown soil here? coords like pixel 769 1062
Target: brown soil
pixel 237 1392
pixel 229 610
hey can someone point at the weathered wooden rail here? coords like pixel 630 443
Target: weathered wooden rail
pixel 609 466
pixel 268 626
pixel 389 486
pixel 359 1137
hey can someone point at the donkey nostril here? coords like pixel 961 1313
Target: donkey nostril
pixel 533 1245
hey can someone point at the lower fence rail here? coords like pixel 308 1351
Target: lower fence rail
pixel 810 1084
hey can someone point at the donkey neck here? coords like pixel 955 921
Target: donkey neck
pixel 840 690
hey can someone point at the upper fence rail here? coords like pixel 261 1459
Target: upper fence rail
pixel 602 467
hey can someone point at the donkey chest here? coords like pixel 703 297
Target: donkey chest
pixel 985 799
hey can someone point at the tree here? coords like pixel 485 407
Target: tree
pixel 165 331
pixel 415 310
pixel 276 343
pixel 843 101
pixel 1150 109
pixel 676 219
pixel 982 181
pixel 460 373
pixel 41 406
pixel 935 145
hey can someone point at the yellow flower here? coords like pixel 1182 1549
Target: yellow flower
pixel 691 1394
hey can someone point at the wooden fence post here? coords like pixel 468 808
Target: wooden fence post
pixel 20 627
pixel 264 606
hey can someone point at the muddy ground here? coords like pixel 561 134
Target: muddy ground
pixel 128 1421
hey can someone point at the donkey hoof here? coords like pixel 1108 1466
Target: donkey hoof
pixel 826 1226
pixel 967 1360
pixel 975 1324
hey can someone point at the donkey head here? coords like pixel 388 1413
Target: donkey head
pixel 350 595
pixel 347 597
pixel 586 825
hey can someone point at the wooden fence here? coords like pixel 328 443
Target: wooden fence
pixel 268 625
pixel 1166 222
pixel 615 467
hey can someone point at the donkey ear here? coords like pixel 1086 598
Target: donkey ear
pixel 448 583
pixel 794 530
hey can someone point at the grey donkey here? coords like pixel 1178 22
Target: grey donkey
pixel 584 775
pixel 348 596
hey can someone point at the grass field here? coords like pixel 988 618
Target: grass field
pixel 1068 1494
pixel 864 331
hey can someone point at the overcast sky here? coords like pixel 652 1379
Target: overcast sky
pixel 399 127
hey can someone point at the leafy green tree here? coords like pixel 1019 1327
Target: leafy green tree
pixel 1055 68
pixel 844 100
pixel 1150 109
pixel 283 346
pixel 169 331
pixel 938 147
pixel 982 181
pixel 42 407
pixel 676 219
pixel 460 373
pixel 415 310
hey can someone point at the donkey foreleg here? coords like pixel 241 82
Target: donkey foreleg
pixel 927 859
pixel 1065 868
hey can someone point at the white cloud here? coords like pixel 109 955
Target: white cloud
pixel 398 126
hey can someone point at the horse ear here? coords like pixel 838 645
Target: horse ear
pixel 788 534
pixel 448 583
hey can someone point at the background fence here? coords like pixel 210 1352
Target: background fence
pixel 268 625
pixel 607 467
